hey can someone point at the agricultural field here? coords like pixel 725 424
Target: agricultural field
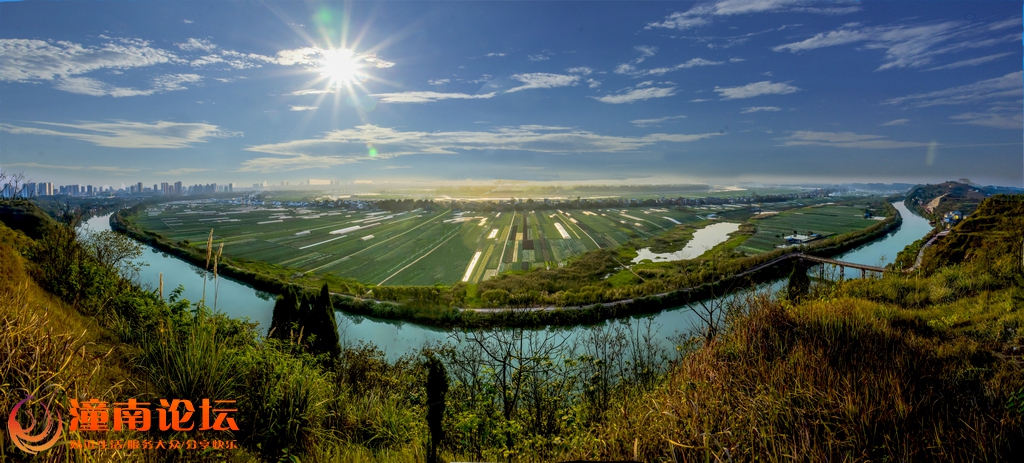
pixel 426 247
pixel 823 219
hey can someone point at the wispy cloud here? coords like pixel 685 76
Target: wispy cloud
pixel 126 134
pixel 754 109
pixel 349 145
pixel 638 94
pixel 654 122
pixel 301 108
pixel 427 97
pixel 971 62
pixel 543 80
pixel 183 171
pixel 845 140
pixel 438 81
pixel 26 60
pixel 895 122
pixel 999 117
pixel 631 70
pixel 913 45
pixel 494 55
pixel 121 170
pixel 581 70
pixel 538 57
pixel 703 14
pixel 93 87
pixel 1008 86
pixel 755 89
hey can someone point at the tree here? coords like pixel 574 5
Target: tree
pixel 286 314
pixel 437 388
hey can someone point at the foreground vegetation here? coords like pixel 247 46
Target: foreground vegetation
pixel 920 367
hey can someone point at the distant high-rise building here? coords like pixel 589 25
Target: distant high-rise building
pixel 231 187
pixel 177 188
pixel 164 186
pixel 88 190
pixel 156 189
pixel 138 187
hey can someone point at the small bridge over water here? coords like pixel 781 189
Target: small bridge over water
pixel 864 269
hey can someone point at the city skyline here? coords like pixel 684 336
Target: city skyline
pixel 777 91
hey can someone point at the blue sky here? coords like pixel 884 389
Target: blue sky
pixel 637 92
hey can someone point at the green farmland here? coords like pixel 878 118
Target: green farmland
pixel 411 248
pixel 825 219
pixel 443 246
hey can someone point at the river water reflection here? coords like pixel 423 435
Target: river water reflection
pixel 397 338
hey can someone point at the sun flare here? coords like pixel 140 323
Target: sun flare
pixel 340 67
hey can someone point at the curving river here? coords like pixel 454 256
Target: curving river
pixel 396 337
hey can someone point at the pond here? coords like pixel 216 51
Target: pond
pixel 703 239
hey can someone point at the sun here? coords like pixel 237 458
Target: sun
pixel 340 67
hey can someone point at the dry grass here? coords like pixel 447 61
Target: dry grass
pixel 824 381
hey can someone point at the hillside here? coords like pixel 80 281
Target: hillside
pixel 934 201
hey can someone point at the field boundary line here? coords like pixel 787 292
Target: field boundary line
pixel 582 230
pixel 375 245
pixel 454 234
pixel 501 260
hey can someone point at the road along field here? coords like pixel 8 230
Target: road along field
pixel 426 247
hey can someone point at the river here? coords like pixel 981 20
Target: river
pixel 396 338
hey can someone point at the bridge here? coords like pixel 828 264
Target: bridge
pixel 864 269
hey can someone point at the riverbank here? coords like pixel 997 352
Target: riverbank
pixel 442 307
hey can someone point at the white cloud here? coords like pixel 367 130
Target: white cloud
pixel 629 69
pixel 26 60
pixel 1008 86
pixel 538 57
pixel 492 55
pixel 187 21
pixel 194 44
pixel 639 94
pixel 543 80
pixel 183 171
pixel 654 122
pixel 582 70
pixel 126 134
pixel 911 45
pixel 121 170
pixel 93 87
pixel 302 108
pixel 699 100
pixel 971 62
pixel 438 81
pixel 701 14
pixel 593 83
pixel 427 97
pixel 1004 117
pixel 646 51
pixel 312 91
pixel 754 109
pixel 755 89
pixel 349 145
pixel 845 140
pixel 895 122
